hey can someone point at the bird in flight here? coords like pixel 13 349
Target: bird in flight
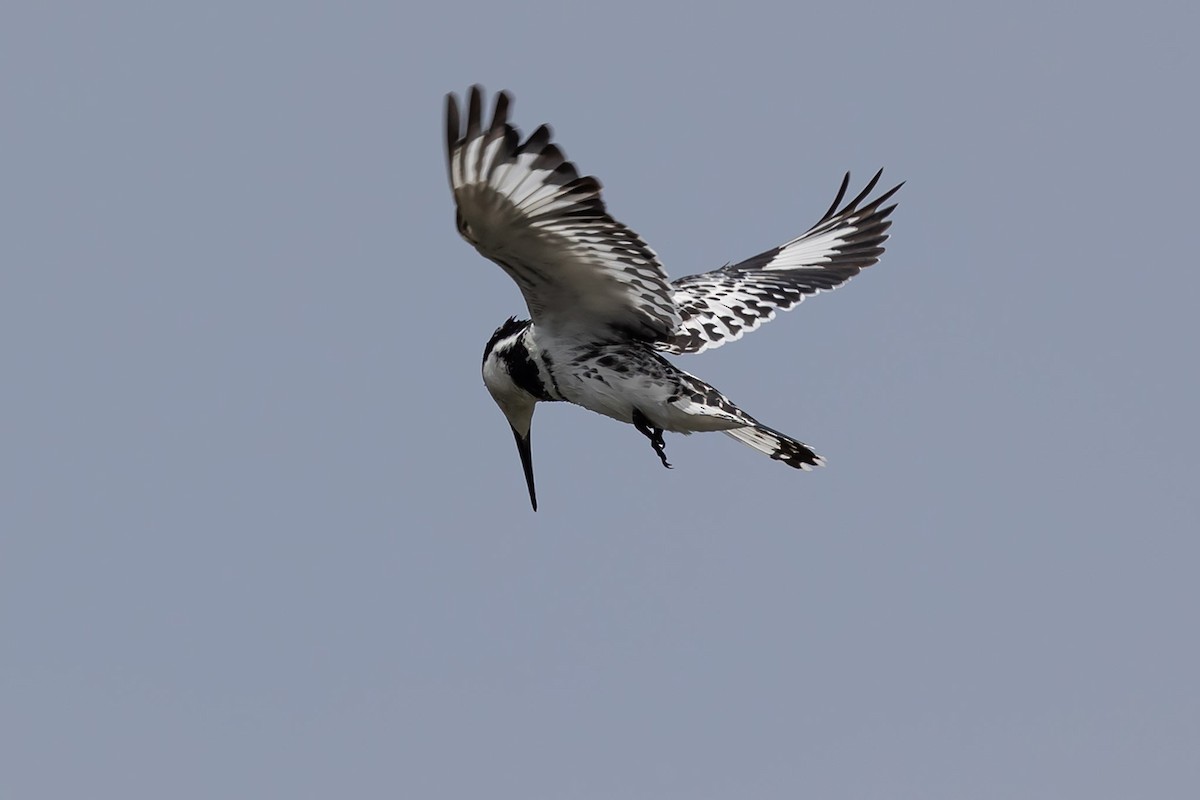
pixel 602 308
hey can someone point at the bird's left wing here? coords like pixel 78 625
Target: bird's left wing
pixel 524 206
pixel 720 306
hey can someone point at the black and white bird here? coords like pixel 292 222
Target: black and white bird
pixel 602 307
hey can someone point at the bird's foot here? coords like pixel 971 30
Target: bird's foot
pixel 655 435
pixel 660 448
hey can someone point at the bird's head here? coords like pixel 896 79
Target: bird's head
pixel 511 377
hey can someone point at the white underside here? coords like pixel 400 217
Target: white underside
pixel 615 394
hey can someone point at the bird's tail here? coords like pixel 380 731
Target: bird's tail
pixel 777 446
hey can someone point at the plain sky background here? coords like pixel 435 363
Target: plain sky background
pixel 264 533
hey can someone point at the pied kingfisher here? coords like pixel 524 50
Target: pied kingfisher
pixel 602 308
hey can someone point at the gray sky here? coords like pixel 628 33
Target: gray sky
pixel 264 533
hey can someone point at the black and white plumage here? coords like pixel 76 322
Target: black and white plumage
pixel 602 307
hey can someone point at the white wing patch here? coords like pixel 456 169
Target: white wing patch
pixel 524 206
pixel 721 306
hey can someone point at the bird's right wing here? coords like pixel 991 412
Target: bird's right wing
pixel 524 206
pixel 720 306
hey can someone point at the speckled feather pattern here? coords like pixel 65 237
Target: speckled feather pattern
pixel 602 307
pixel 721 306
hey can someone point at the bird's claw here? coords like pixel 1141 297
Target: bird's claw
pixel 655 435
pixel 660 449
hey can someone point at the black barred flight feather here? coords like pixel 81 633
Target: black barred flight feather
pixel 524 206
pixel 720 306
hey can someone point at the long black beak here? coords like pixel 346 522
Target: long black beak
pixel 526 451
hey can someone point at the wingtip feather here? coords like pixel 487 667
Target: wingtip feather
pixel 837 201
pixel 870 187
pixel 474 111
pixel 453 128
pixel 500 110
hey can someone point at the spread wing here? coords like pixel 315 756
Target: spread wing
pixel 719 306
pixel 524 206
